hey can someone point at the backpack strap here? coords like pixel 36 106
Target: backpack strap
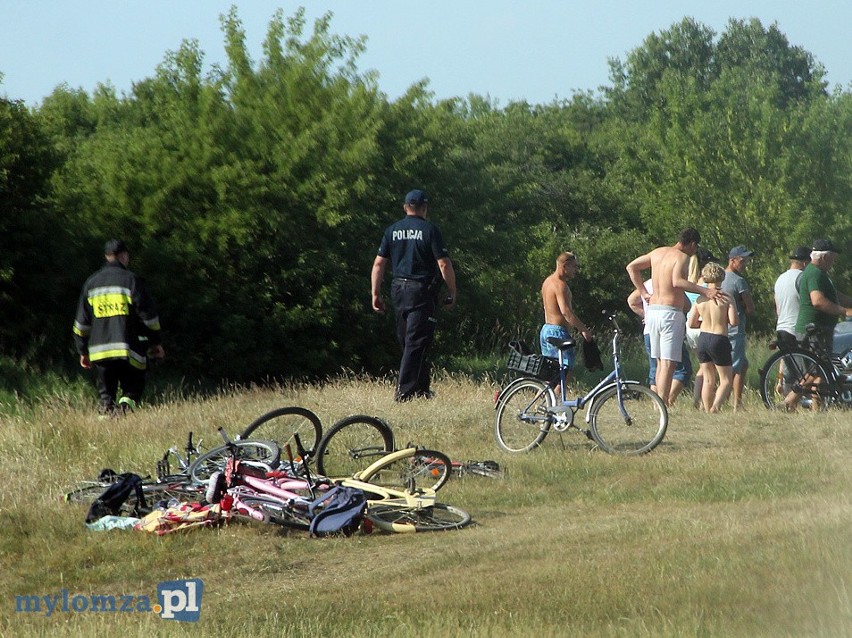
pixel 317 502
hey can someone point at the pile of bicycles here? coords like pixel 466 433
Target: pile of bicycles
pixel 803 375
pixel 267 474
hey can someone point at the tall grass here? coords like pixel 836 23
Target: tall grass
pixel 737 525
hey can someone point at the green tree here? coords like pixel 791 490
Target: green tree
pixel 30 238
pixel 714 145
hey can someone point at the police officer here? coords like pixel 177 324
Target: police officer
pixel 419 261
pixel 115 330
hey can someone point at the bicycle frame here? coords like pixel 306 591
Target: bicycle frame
pixel 191 450
pixel 614 378
pixel 617 374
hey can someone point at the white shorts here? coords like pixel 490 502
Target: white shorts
pixel 667 329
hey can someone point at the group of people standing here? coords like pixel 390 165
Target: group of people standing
pixel 714 307
pixel 689 302
pixel 688 293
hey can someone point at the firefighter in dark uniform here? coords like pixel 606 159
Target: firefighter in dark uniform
pixel 116 329
pixel 420 262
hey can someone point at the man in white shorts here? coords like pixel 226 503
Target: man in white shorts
pixel 666 322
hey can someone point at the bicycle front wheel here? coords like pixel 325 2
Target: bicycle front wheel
pixel 402 519
pixel 522 419
pixel 282 424
pixel 634 425
pixel 266 452
pixel 352 444
pixel 424 469
pixel 797 376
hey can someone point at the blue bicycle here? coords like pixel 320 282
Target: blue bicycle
pixel 624 416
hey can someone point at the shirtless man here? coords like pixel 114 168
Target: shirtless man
pixel 714 347
pixel 559 309
pixel 665 318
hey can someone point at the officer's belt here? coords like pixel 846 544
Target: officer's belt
pixel 416 281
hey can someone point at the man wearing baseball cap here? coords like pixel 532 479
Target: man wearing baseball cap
pixel 420 263
pixel 819 301
pixel 736 287
pixel 787 296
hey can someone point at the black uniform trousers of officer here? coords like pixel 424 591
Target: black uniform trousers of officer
pixel 414 304
pixel 112 372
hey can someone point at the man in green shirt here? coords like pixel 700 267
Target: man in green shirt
pixel 819 304
pixel 819 301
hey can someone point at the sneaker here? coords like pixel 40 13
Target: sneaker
pixel 125 405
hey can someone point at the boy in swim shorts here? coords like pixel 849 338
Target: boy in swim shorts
pixel 714 347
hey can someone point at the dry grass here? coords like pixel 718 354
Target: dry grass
pixel 738 525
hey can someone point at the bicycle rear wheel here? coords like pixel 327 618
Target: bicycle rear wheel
pixel 265 452
pixel 522 419
pixel 424 469
pixel 402 519
pixel 352 444
pixel 794 374
pixel 282 424
pixel 637 429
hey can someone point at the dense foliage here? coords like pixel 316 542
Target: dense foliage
pixel 253 197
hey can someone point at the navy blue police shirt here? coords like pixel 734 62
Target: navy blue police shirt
pixel 413 246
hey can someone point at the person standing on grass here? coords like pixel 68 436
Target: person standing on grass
pixel 786 291
pixel 714 347
pixel 696 265
pixel 736 287
pixel 559 316
pixel 683 371
pixel 669 267
pixel 820 304
pixel 116 329
pixel 819 301
pixel 420 262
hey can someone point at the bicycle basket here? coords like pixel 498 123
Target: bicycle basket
pixel 534 365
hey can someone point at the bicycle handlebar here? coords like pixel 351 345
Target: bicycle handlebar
pixel 610 315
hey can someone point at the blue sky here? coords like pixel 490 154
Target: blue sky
pixel 536 50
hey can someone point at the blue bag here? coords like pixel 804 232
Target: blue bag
pixel 342 510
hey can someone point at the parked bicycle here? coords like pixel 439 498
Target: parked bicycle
pixel 804 375
pixel 624 416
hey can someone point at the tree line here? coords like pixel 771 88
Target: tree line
pixel 253 195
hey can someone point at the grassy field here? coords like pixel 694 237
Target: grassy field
pixel 737 525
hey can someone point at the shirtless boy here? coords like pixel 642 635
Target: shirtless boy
pixel 665 318
pixel 714 347
pixel 559 308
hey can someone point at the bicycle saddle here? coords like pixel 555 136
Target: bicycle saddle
pixel 562 344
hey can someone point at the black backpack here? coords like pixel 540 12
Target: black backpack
pixel 110 502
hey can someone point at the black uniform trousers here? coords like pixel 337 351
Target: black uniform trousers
pixel 414 304
pixel 112 372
